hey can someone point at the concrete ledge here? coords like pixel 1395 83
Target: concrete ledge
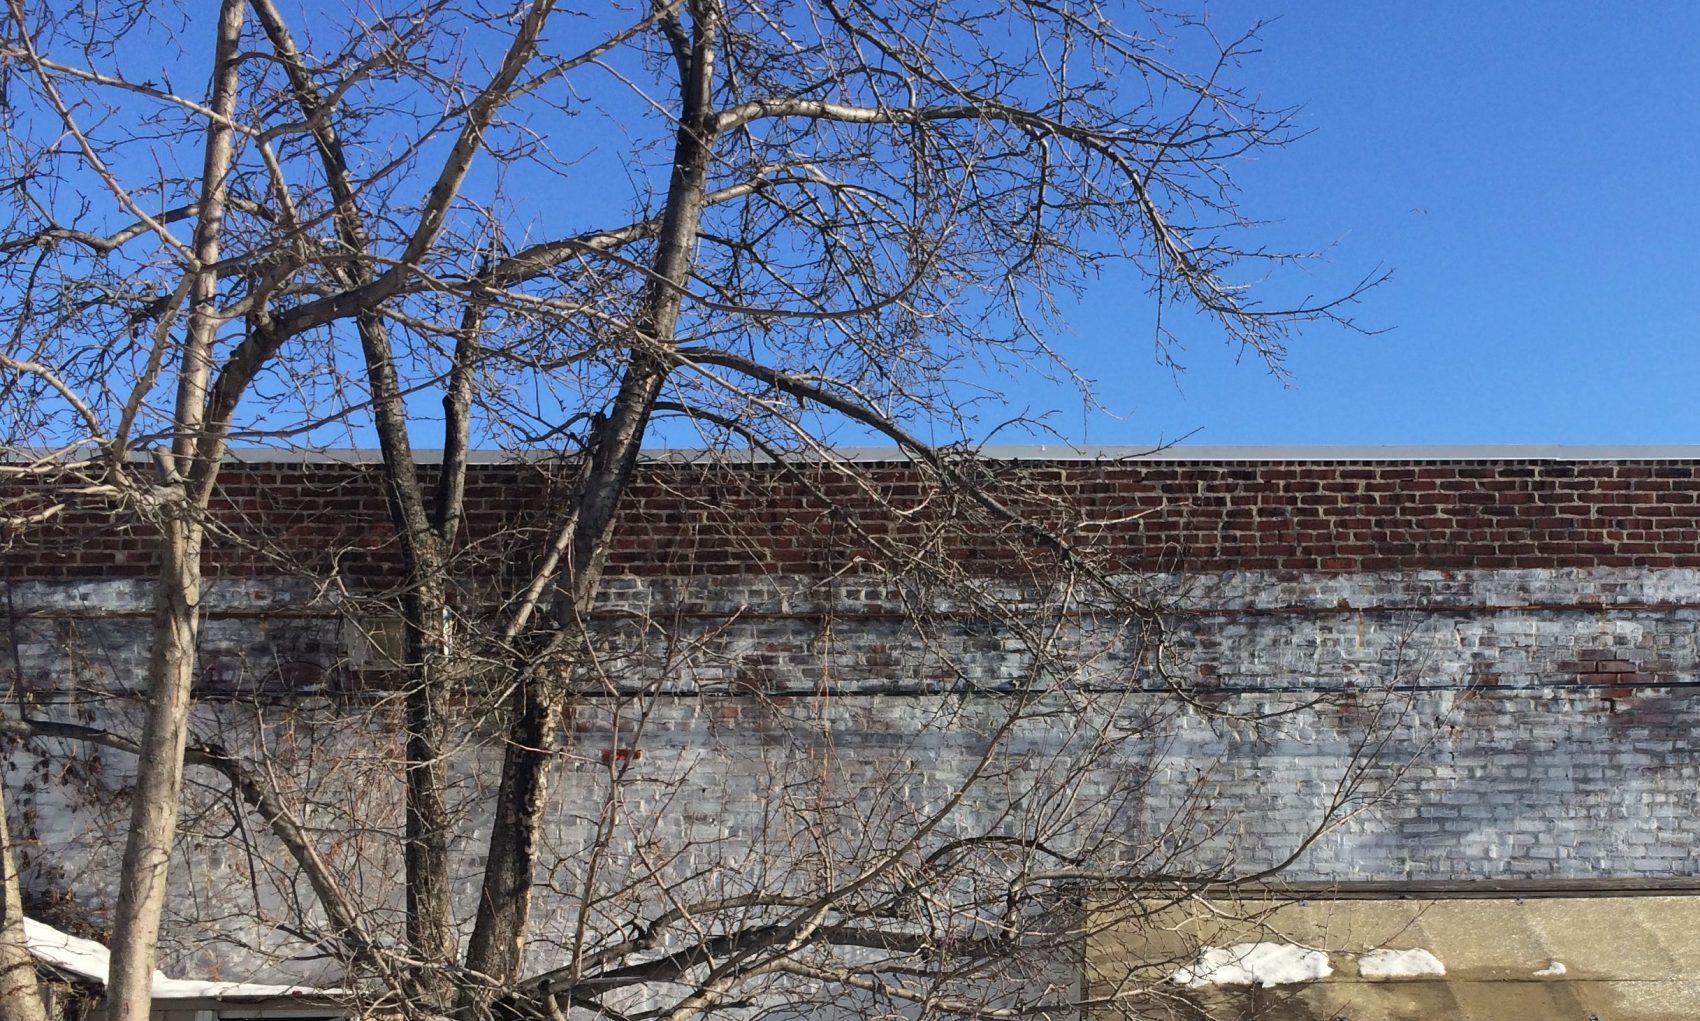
pixel 1057 452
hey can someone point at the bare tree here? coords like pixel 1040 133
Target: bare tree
pixel 20 997
pixel 835 213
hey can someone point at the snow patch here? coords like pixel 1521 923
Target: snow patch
pixel 83 958
pixel 197 989
pixel 1399 964
pixel 1254 964
pixel 89 960
pixel 1552 969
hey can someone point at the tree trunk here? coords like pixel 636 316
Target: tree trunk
pixel 425 546
pixel 431 934
pixel 430 928
pixel 191 468
pixel 159 772
pixel 497 946
pixel 20 992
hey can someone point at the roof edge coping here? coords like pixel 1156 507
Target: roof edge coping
pixel 1062 452
pixel 1178 454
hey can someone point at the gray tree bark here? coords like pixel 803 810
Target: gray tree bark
pixel 497 946
pixel 177 606
pixel 20 992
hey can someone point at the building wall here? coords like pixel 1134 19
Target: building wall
pixel 1225 516
pixel 1507 649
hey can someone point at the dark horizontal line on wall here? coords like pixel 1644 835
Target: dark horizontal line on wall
pixel 1438 610
pixel 1463 889
pixel 1337 691
pixel 1345 697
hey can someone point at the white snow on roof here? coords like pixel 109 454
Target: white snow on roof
pixel 198 989
pixel 83 958
pixel 89 960
pixel 1254 964
pixel 1399 964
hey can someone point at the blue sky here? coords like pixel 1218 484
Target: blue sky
pixel 1530 173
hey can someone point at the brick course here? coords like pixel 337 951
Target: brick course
pixel 1140 516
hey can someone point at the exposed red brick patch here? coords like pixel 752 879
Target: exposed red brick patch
pixel 1219 516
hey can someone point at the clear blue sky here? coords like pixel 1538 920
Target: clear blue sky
pixel 1531 174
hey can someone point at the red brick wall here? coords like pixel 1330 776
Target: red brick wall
pixel 682 519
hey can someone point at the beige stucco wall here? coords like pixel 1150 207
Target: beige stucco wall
pixel 1625 958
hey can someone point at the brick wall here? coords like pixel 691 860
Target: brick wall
pixel 1534 627
pixel 1201 517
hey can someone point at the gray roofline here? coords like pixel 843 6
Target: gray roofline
pixel 1183 453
